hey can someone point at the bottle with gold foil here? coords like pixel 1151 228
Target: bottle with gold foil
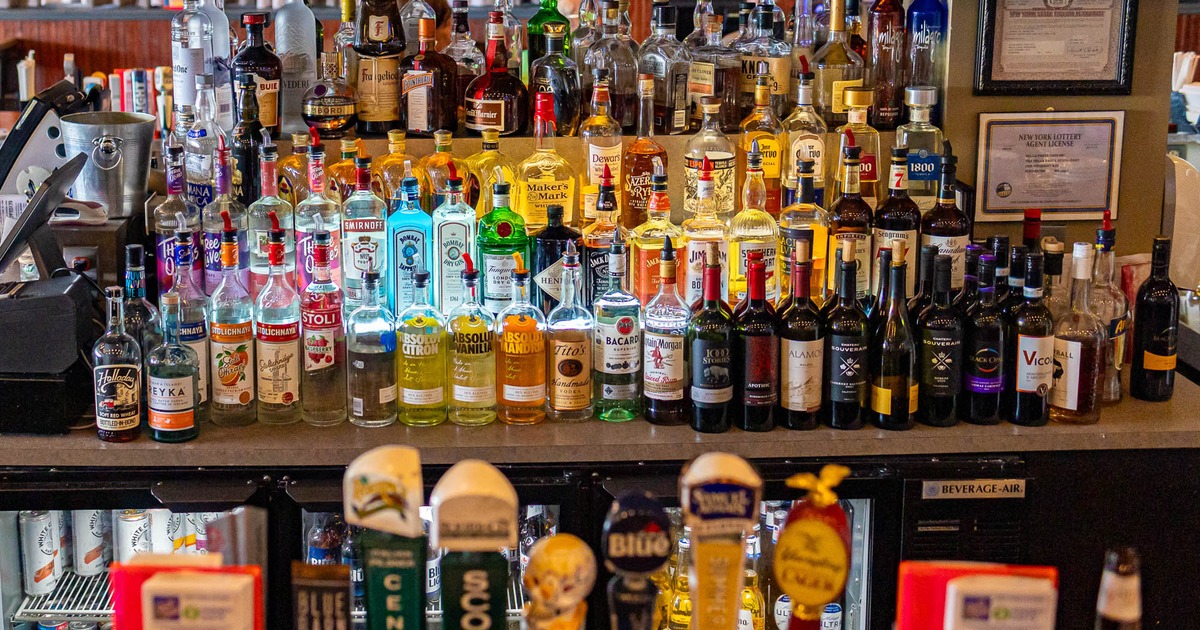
pixel 699 232
pixel 804 220
pixel 753 230
pixel 569 328
pixel 521 355
pixel 484 166
pixel 379 42
pixel 388 171
pixel 421 359
pixel 762 126
pixel 293 171
pixel 545 178
pixel 838 67
pixel 471 364
pixel 641 156
pixel 892 362
pixel 433 170
pixel 646 240
pixel 812 554
pixel 341 175
pixel 679 611
pixel 597 237
pixel 856 131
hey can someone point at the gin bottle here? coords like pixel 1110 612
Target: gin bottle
pixel 213 223
pixel 617 373
pixel 454 229
pixel 664 377
pixel 409 243
pixel 569 335
pixel 364 234
pixel 471 364
pixel 260 223
pixel 549 246
pixel 231 333
pixel 295 43
pixel 924 142
pixel 501 234
pixel 421 360
pixel 193 315
pixel 371 359
pixel 323 378
pixel 277 339
pixel 521 354
pixel 318 211
pixel 117 376
pixel 173 377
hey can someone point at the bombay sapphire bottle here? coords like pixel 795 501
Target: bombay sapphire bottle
pixel 409 243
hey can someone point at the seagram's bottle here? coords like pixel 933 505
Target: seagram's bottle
pixel 664 365
pixel 323 342
pixel 1155 339
pixel 471 365
pixel 371 359
pixel 1079 342
pixel 569 330
pixel 893 357
pixel 940 335
pixel 801 351
pixel 898 217
pixel 617 356
pixel 1030 353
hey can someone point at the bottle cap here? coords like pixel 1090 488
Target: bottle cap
pixel 806 166
pixel 899 154
pixel 135 256
pixel 920 95
pixel 1033 271
pixel 998 244
pixel 469 273
pixel 420 277
pixel 663 15
pixel 852 152
pixel 254 18
pixel 370 277
pixel 859 96
pixel 1106 235
pixel 554 213
pixel 668 249
pixel 571 255
pixel 362 162
pixel 247 81
pixel 168 299
pixel 500 188
pixel 396 135
pixel 425 28
pixel 204 80
pixel 942 264
pixel 555 30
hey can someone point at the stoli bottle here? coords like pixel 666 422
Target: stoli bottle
pixel 665 398
pixel 277 339
pixel 231 333
pixel 569 329
pixel 318 211
pixel 323 342
pixel 364 234
pixel 521 354
pixel 471 365
pixel 117 376
pixel 211 219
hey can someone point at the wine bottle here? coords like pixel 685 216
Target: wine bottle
pixel 998 244
pixel 877 307
pixel 983 350
pixel 1029 353
pixel 893 357
pixel 1156 333
pixel 968 296
pixel 709 344
pixel 802 350
pixel 924 294
pixel 940 328
pixel 846 342
pixel 1016 280
pixel 756 356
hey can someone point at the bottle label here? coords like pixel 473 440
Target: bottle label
pixel 165 251
pixel 268 100
pixel 172 403
pixel 521 393
pixel 212 260
pixel 454 240
pixel 839 87
pixel 745 620
pixel 883 400
pixel 596 280
pixel 812 147
pixel 485 396
pixel 1117 327
pixel 847 368
pixel 232 358
pixel 417 90
pixel 783 612
pixel 778 69
pixel 772 155
pixel 768 256
pixel 856 116
pixel 378 28
pixel 598 157
pixel 306 257
pixel 186 63
pixel 941 361
pixel 118 396
pixel 379 85
pixel 761 371
pixel 409 247
pixel 550 280
pixel 701 81
pixel 433 396
pixel 537 193
pixel 664 377
pixel 637 189
pixel 278 362
pixel 618 346
pixel 862 254
pixel 956 248
pixel 1068 372
pixel 199 193
pixel 724 179
pixel 362 251
pixel 1120 597
pixel 195 336
pixel 868 173
pixel 884 238
pixel 923 165
pixel 498 272
pixel 803 366
pixel 322 329
pixel 985 367
pixel 831 617
pixel 712 378
pixel 485 113
pixel 1158 362
pixel 694 275
pixel 1035 364
pixel 571 380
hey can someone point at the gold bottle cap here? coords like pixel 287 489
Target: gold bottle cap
pixel 489 136
pixel 300 140
pixel 555 30
pixel 396 135
pixel 425 29
pixel 802 252
pixel 710 104
pixel 348 146
pixel 441 137
pixel 859 96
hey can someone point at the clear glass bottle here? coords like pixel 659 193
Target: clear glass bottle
pixel 117 376
pixel 371 360
pixel 753 229
pixel 193 314
pixel 323 341
pixel 191 53
pixel 617 356
pixel 483 168
pixel 465 52
pixel 762 127
pixel 614 55
pixel 223 46
pixel 211 221
pixel 421 360
pixel 597 237
pixel 1058 284
pixel 409 242
pixel 569 328
pixel 231 336
pixel 141 317
pixel 765 48
pixel 515 40
pixel 805 133
pixel 711 143
pixel 454 229
pixel 364 234
pixel 318 211
pixel 667 60
pixel 521 354
pixel 716 71
pixel 173 378
pixel 1080 339
pixel 296 45
pixel 471 365
pixel 640 157
pixel 665 398
pixel 601 137
pixel 1111 307
pixel 805 220
pixel 803 37
pixel 924 142
pixel 702 13
pixel 259 222
pixel 277 339
pixel 699 232
pixel 858 100
pixel 202 140
pixel 343 44
pixel 501 234
pixel 586 33
pixel 646 240
pixel 411 14
pixel 537 28
pixel 557 75
pixel 545 178
pixel 838 67
pixel 331 104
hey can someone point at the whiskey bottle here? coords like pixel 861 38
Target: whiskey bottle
pixel 801 351
pixel 1111 306
pixel 710 355
pixel 756 357
pixel 899 218
pixel 257 63
pixel 805 221
pixel 846 347
pixel 277 339
pixel 716 73
pixel 428 85
pixel 613 54
pixel 946 225
pixel 364 234
pixel 617 356
pixel 893 357
pixel 762 49
pixel 753 230
pixel 646 240
pixel 556 75
pixel 421 358
pixel 640 159
pixel 1155 338
pixel 940 331
pixel 466 54
pixel 1079 342
pixel 117 376
pixel 245 144
pixel 549 246
pixel 521 354
pixel 501 234
pixel 762 128
pixel 379 41
pixel 471 364
pixel 601 136
pixel 712 143
pixel 323 341
pixel 545 178
pixel 293 172
pixel 837 67
pixel 548 19
pixel 173 377
pixel 985 338
pixel 597 238
pixel 850 221
pixel 231 336
pixel 496 99
pixel 664 364
pixel 667 60
pixel 569 330
pixel 1030 353
pixel 699 233
pixel 371 359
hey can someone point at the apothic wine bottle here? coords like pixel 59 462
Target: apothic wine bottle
pixel 569 328
pixel 1079 342
pixel 277 340
pixel 324 343
pixel 664 362
pixel 117 376
pixel 1156 335
pixel 1030 353
pixel 617 356
pixel 801 351
pixel 173 375
pixel 231 328
pixel 756 356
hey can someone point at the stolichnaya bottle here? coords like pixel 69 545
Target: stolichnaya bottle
pixel 421 359
pixel 323 342
pixel 193 313
pixel 371 359
pixel 277 339
pixel 471 365
pixel 617 373
pixel 117 376
pixel 665 399
pixel 521 354
pixel 231 337
pixel 569 329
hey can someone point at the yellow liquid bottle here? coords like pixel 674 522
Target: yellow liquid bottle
pixel 521 356
pixel 471 365
pixel 421 359
pixel 388 171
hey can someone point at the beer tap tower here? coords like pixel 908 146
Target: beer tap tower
pixel 637 544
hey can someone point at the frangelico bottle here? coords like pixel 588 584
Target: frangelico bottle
pixel 379 42
pixel 1155 337
pixel 846 342
pixel 940 330
pixel 983 352
pixel 893 357
pixel 1030 353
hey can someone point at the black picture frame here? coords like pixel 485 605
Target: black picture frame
pixel 986 55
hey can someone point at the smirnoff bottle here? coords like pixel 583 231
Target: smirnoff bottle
pixel 231 333
pixel 277 340
pixel 371 349
pixel 117 376
pixel 323 342
pixel 364 246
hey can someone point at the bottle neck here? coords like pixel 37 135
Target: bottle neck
pixel 645 122
pixel 544 129
pixel 248 112
pixel 183 267
pixel 1081 289
pixel 135 283
pixel 170 324
pixel 898 182
pixel 616 272
pixel 848 287
pixel 462 27
pixel 808 191
pixel 600 101
pixel 919 114
pixel 851 187
pixel 321 271
pixel 116 315
pixel 1160 263
pixel 896 288
pixel 370 292
pixel 709 121
pixel 570 286
pixel 221 175
pixel 941 290
pixel 254 36
pixel 754 192
pixel 884 291
pixel 497 51
pixel 270 184
pixel 175 178
pixel 946 196
pixel 362 179
pixel 801 273
pixel 520 291
pixel 1106 264
pixel 420 295
pixel 712 288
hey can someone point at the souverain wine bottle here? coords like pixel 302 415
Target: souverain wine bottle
pixel 1029 353
pixel 710 355
pixel 756 356
pixel 1156 333
pixel 846 343
pixel 941 342
pixel 983 351
pixel 893 358
pixel 802 350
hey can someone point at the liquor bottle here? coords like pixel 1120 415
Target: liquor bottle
pixel 710 142
pixel 293 171
pixel 899 218
pixel 739 37
pixel 924 142
pixel 801 350
pixel 710 355
pixel 331 104
pixel 925 46
pixel 501 234
pixel 1119 603
pixel 296 45
pixel 597 237
pixel 409 242
pixel 854 28
pixel 968 296
pixel 702 14
pixel 986 336
pixel 323 376
pixel 946 225
pixel 466 54
pixel 666 59
pixel 753 229
pixel 379 42
pixel 1079 342
pixel 1058 284
pixel 556 75
pixel 224 43
pixel 117 376
pixel 753 612
pixel 173 377
pixel 1029 354
pixel 756 356
pixel 679 612
pixel 646 240
pixel 364 235
pixel 515 40
pixel 549 245
pixel 471 364
pixel 716 72
pixel 454 232
pixel 201 148
pixel 762 127
pixel 428 86
pixel 998 245
pixel 341 174
pixel 411 14
pixel 569 334
pixel 421 360
pixel 1155 337
pixel 586 33
pixel 545 178
pixel 537 32
pixel 857 132
pixel 389 171
pixel 701 231
pixel 370 359
pixel 805 221
pixel 483 168
pixel 617 356
pixel 640 159
pixel 434 170
pixel 885 61
pixel 1111 306
pixel 893 357
pixel 923 296
pixel 259 222
pixel 193 316
pixel 141 317
pixel 191 53
pixel 167 221
pixel 496 99
pixel 850 221
pixel 601 136
pixel 231 336
pixel 1016 279
pixel 317 211
pixel 664 379
pixel 838 67
pixel 259 63
pixel 211 219
pixel 762 46
pixel 343 43
pixel 806 140
pixel 941 352
pixel 277 339
pixel 521 353
pixel 245 145
pixel 612 54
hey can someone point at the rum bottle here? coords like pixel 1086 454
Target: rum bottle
pixel 893 357
pixel 801 350
pixel 1112 307
pixel 549 245
pixel 277 339
pixel 710 355
pixel 1079 342
pixel 521 354
pixel 371 359
pixel 323 378
pixel 421 361
pixel 899 218
pixel 569 329
pixel 117 376
pixel 850 221
pixel 700 232
pixel 940 331
pixel 501 234
pixel 753 230
pixel 409 243
pixel 617 356
pixel 318 211
pixel 664 362
pixel 173 378
pixel 1155 338
pixel 260 223
pixel 985 334
pixel 471 364
pixel 428 86
pixel 379 42
pixel 756 357
pixel 640 158
pixel 545 178
pixel 1029 353
pixel 231 336
pixel 946 225
pixel 762 128
pixel 497 99
pixel 646 240
pixel 364 234
pixel 454 230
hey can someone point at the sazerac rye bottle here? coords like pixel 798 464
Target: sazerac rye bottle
pixel 756 356
pixel 371 359
pixel 1079 341
pixel 665 399
pixel 985 337
pixel 617 356
pixel 710 355
pixel 569 328
pixel 421 359
pixel 231 336
pixel 379 42
pixel 323 342
pixel 846 347
pixel 940 339
pixel 1155 339
pixel 801 350
pixel 640 159
pixel 521 355
pixel 117 376
pixel 946 225
pixel 173 375
pixel 277 339
pixel 471 364
pixel 1030 353
pixel 497 99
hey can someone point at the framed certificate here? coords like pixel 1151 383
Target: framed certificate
pixel 1055 47
pixel 1068 164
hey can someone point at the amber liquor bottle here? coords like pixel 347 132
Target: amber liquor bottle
pixel 428 87
pixel 379 42
pixel 850 221
pixel 496 99
pixel 640 158
pixel 1079 342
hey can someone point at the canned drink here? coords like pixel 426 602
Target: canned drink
pixel 160 531
pixel 132 534
pixel 83 625
pixel 55 521
pixel 190 521
pixel 831 617
pixel 39 549
pixel 53 625
pixel 177 532
pixel 63 518
pixel 202 530
pixel 92 539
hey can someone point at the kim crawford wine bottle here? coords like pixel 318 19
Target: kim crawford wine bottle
pixel 985 334
pixel 893 357
pixel 756 356
pixel 940 333
pixel 1157 330
pixel 802 350
pixel 846 343
pixel 710 355
pixel 1029 354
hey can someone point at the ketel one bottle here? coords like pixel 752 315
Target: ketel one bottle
pixel 474 517
pixel 383 493
pixel 559 577
pixel 812 554
pixel 720 498
pixel 637 543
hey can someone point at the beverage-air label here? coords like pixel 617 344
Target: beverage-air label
pixel 306 249
pixel 497 281
pixel 539 193
pixel 1068 373
pixel 887 401
pixel 802 366
pixel 232 363
pixel 884 238
pixel 956 248
pixel 941 361
pixel 268 101
pixel 724 181
pixel 862 254
pixel 1035 364
pixel 172 403
pixel 195 336
pixel 811 147
pixel 212 260
pixel 453 240
pixel 923 165
pixel 485 113
pixel 417 90
pixel 663 356
pixel 693 289
pixel 320 329
pixel 839 88
pixel 408 247
pixel 760 369
pixel 118 389
pixel 618 346
pixel 712 378
pixel 768 257
pixel 362 251
pixel 847 368
pixel 570 378
pixel 378 88
pixel 278 347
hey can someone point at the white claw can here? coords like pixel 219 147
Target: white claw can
pixel 132 534
pixel 177 530
pixel 39 551
pixel 92 540
pixel 63 521
pixel 160 531
pixel 202 521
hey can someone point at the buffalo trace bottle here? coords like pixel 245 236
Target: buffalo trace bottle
pixel 1029 353
pixel 898 217
pixel 497 99
pixel 277 340
pixel 617 357
pixel 569 328
pixel 1079 342
pixel 946 225
pixel 454 234
pixel 1155 338
pixel 710 355
pixel 379 42
pixel 846 344
pixel 409 243
pixel 940 339
pixel 173 377
pixel 260 223
pixel 521 354
pixel 364 234
pixel 664 366
pixel 893 357
pixel 985 335
pixel 501 234
pixel 549 246
pixel 323 342
pixel 428 87
pixel 801 350
pixel 756 356
pixel 371 359
pixel 117 376
pixel 421 360
pixel 471 364
pixel 193 312
pixel 646 240
pixel 231 336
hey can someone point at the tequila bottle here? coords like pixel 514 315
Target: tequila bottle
pixel 862 135
pixel 699 232
pixel 762 128
pixel 753 230
pixel 806 138
pixel 549 246
pixel 260 223
pixel 483 167
pixel 617 356
pixel 569 328
pixel 277 339
pixel 641 156
pixel 390 170
pixel 117 376
pixel 211 220
pixel 925 45
pixel 231 336
pixel 521 354
pixel 885 60
pixel 193 314
pixel 323 343
pixel 545 178
pixel 601 136
pixel 1080 339
pixel 557 75
pixel 924 142
pixel 293 171
pixel 471 365
pixel 141 318
pixel 454 233
pixel 409 244
pixel 804 220
pixel 501 234
pixel 838 67
pixel 434 170
pixel 340 175
pixel 712 144
pixel 421 361
pixel 716 72
pixel 597 237
pixel 167 220
pixel 667 60
pixel 318 211
pixel 465 52
pixel 646 240
pixel 1111 307
pixel 614 55
pixel 664 364
pixel 364 234
pixel 371 359
pixel 173 377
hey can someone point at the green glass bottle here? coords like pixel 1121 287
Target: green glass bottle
pixel 501 234
pixel 547 14
pixel 617 356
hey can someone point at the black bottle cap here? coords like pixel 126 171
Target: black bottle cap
pixel 420 277
pixel 853 153
pixel 135 256
pixel 807 166
pixel 1033 271
pixel 1016 261
pixel 600 74
pixel 554 214
pixel 362 162
pixel 948 158
pixel 500 188
pixel 971 264
pixel 618 244
pixel 321 237
pixel 268 151
pixel 663 15
pixel 668 249
pixel 371 276
pixel 454 183
pixel 998 245
pixel 900 153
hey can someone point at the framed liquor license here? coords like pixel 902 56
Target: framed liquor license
pixel 1055 47
pixel 1066 163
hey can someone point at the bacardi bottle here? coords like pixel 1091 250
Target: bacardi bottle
pixel 364 234
pixel 117 376
pixel 277 340
pixel 231 332
pixel 323 343
pixel 471 365
pixel 617 371
pixel 371 359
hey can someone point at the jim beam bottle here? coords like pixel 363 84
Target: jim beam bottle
pixel 637 544
pixel 812 554
pixel 560 575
